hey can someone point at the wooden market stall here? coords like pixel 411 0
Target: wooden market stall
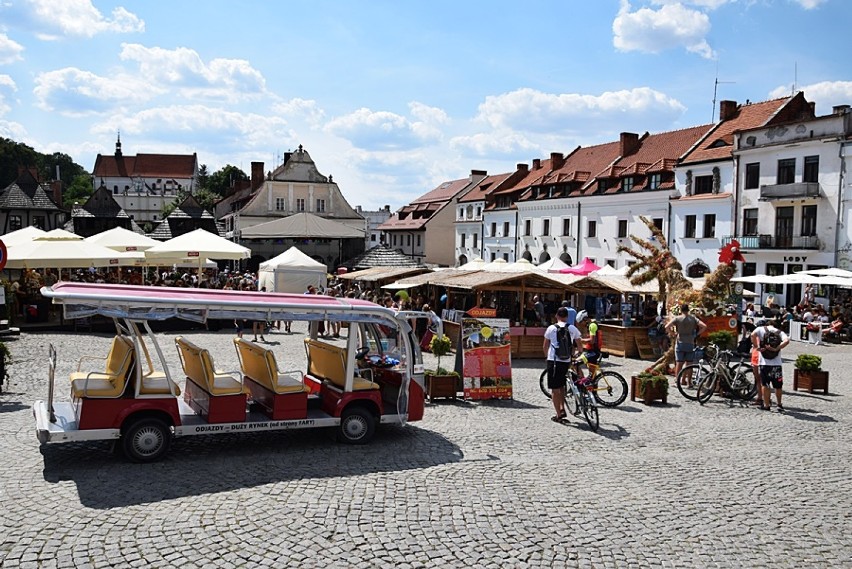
pixel 508 293
pixel 376 277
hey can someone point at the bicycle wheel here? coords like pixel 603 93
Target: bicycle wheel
pixel 590 411
pixel 542 383
pixel 690 378
pixel 707 388
pixel 572 404
pixel 743 382
pixel 610 389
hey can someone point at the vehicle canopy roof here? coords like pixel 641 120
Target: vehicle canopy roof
pixel 199 304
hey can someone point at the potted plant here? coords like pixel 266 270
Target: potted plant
pixel 5 358
pixel 650 385
pixel 441 382
pixel 808 374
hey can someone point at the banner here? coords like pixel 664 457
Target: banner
pixel 487 358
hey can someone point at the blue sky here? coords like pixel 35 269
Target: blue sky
pixel 392 98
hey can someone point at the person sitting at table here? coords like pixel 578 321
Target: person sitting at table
pixel 838 327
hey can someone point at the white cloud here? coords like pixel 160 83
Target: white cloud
pixel 13 130
pixel 74 92
pixel 809 4
pixel 709 4
pixel 10 50
pixel 528 110
pixel 825 94
pixel 304 110
pixel 77 18
pixel 494 145
pixel 383 130
pixel 228 79
pixel 653 31
pixel 201 126
pixel 7 84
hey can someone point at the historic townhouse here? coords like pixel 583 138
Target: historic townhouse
pixel 27 201
pixel 470 207
pixel 597 195
pixel 703 212
pixel 793 198
pixel 424 228
pixel 141 185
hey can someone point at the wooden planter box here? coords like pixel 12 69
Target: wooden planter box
pixel 650 394
pixel 441 386
pixel 810 380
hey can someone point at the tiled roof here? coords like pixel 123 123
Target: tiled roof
pixel 718 143
pixel 419 212
pixel 486 185
pixel 27 193
pixel 100 204
pixel 145 165
pixel 443 193
pixel 381 256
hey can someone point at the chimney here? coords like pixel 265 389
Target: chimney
pixel 557 160
pixel 523 168
pixel 629 143
pixel 358 208
pixel 56 186
pixel 840 109
pixel 477 175
pixel 812 108
pixel 727 109
pixel 387 208
pixel 536 163
pixel 256 175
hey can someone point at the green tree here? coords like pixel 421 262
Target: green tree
pixel 221 180
pixel 68 169
pixel 203 177
pixel 79 191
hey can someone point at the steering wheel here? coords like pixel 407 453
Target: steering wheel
pixel 361 352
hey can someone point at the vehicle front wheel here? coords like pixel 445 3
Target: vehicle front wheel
pixel 357 426
pixel 146 440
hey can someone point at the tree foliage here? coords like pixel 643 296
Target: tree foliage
pixel 17 154
pixel 79 191
pixel 221 180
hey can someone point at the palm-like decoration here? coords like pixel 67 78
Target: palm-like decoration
pixel 655 261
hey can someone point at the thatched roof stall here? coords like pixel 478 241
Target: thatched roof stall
pixel 377 276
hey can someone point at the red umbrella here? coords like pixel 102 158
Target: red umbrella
pixel 583 268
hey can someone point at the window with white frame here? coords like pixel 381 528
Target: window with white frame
pixel 566 226
pixel 300 204
pixel 320 206
pixel 280 204
pixel 622 228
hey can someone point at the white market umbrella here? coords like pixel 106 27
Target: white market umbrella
pixel 756 279
pixel 121 239
pixel 59 249
pixel 474 265
pixel 607 270
pixel 831 272
pixel 520 266
pixel 553 265
pixel 199 245
pixel 496 266
pixel 24 235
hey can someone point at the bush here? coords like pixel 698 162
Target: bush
pixel 440 346
pixel 722 339
pixel 808 362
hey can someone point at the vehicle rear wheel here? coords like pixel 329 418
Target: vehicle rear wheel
pixel 146 440
pixel 357 426
pixel 590 410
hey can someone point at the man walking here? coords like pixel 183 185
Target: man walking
pixel 559 359
pixel 769 340
pixel 538 306
pixel 688 328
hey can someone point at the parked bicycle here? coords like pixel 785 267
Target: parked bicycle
pixel 735 379
pixel 706 360
pixel 608 387
pixel 580 400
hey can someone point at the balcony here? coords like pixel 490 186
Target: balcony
pixel 789 191
pixel 752 242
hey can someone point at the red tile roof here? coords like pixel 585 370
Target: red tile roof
pixel 146 165
pixel 426 205
pixel 719 142
pixel 484 187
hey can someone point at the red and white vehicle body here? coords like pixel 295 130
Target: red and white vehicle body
pixel 372 376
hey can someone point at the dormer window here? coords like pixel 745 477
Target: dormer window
pixel 603 185
pixel 627 184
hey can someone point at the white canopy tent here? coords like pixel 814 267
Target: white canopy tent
pixel 473 265
pixel 291 271
pixel 554 265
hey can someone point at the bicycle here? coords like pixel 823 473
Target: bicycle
pixel 580 399
pixel 735 379
pixel 691 375
pixel 608 387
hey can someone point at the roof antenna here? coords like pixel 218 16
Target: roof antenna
pixel 715 89
pixel 795 76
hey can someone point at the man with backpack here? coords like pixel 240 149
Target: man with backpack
pixel 768 340
pixel 560 339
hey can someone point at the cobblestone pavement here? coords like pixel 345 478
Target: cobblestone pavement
pixel 474 484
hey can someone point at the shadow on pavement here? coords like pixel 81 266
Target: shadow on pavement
pixel 808 415
pixel 200 465
pixel 12 406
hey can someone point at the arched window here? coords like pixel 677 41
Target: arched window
pixel 462 260
pixel 697 269
pixel 565 258
pixel 528 256
pixel 544 257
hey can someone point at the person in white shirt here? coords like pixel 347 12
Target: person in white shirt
pixel 557 368
pixel 769 360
